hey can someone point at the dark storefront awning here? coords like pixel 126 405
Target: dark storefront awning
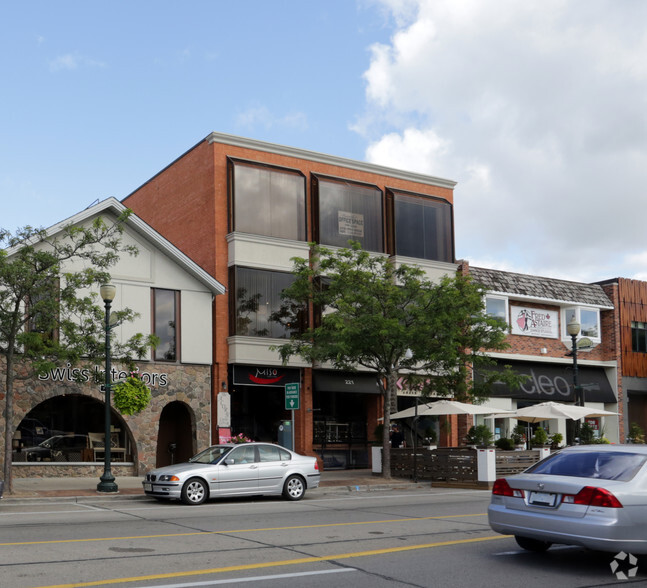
pixel 256 375
pixel 555 382
pixel 345 382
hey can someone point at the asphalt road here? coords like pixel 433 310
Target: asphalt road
pixel 422 537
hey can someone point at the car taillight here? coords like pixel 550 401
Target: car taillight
pixel 502 488
pixel 590 496
pixel 316 465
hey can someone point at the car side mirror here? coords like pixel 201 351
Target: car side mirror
pixel 230 461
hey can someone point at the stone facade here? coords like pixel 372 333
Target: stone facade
pixel 188 384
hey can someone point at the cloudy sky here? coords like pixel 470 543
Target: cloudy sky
pixel 537 109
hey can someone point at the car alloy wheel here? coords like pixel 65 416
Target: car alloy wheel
pixel 294 488
pixel 194 492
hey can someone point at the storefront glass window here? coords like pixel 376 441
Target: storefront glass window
pixel 269 202
pixel 165 324
pixel 350 212
pixel 260 311
pixel 423 228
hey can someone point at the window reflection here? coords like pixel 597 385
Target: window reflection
pixel 165 323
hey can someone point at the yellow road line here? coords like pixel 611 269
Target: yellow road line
pixel 94 539
pixel 286 562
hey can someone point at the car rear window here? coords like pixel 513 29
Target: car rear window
pixel 608 465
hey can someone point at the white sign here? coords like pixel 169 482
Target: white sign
pixel 534 322
pixel 350 223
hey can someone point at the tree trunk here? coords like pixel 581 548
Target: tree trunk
pixel 8 420
pixel 389 401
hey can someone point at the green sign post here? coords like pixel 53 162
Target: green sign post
pixel 292 397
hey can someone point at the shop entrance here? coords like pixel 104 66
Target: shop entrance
pixel 257 412
pixel 175 439
pixel 62 428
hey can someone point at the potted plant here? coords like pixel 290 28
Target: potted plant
pixel 555 440
pixel 540 438
pixel 636 434
pixel 519 437
pixel 504 443
pixel 479 436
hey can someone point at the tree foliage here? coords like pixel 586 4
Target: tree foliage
pixel 392 320
pixel 49 307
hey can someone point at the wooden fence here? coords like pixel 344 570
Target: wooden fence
pixel 455 465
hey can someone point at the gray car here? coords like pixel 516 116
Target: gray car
pixel 235 470
pixel 594 496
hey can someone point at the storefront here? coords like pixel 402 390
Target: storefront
pixel 258 408
pixel 345 417
pixel 60 421
pixel 554 382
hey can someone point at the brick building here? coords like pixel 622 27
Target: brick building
pixel 242 209
pixel 538 310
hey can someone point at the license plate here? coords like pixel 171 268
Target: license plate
pixel 148 487
pixel 542 498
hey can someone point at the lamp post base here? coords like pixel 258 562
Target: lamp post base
pixel 107 484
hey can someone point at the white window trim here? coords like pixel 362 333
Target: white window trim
pixel 506 302
pixel 578 309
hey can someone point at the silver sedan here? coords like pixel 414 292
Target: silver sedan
pixel 235 470
pixel 594 496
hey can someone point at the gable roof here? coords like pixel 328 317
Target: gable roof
pixel 538 288
pixel 141 228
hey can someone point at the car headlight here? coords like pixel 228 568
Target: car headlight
pixel 169 478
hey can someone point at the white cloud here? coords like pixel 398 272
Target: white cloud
pixel 260 116
pixel 537 110
pixel 72 61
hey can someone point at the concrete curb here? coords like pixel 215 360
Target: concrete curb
pixel 80 496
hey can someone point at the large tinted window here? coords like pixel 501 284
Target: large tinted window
pixel 350 212
pixel 423 228
pixel 165 324
pixel 639 336
pixel 608 465
pixel 260 311
pixel 269 201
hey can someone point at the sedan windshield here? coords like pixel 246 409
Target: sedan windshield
pixel 608 465
pixel 211 455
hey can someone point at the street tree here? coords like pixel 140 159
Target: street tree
pixel 390 319
pixel 48 304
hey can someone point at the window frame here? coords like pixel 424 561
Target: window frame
pixel 506 306
pixel 178 324
pixel 577 310
pixel 232 163
pixel 423 200
pixel 316 181
pixel 635 330
pixel 234 281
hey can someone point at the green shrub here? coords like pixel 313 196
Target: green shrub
pixel 540 437
pixel 479 435
pixel 505 444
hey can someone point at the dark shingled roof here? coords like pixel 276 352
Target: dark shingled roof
pixel 539 287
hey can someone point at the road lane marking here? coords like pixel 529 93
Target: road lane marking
pixel 286 562
pixel 254 578
pixel 192 534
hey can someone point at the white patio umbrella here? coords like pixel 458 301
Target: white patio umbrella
pixel 557 410
pixel 444 407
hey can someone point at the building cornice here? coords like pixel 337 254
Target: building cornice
pixel 276 149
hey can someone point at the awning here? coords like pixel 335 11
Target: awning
pixel 362 383
pixel 548 381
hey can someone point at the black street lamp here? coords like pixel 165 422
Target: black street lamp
pixel 573 329
pixel 107 483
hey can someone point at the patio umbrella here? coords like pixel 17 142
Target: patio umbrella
pixel 444 407
pixel 556 410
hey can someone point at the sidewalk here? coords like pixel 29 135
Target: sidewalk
pixel 48 488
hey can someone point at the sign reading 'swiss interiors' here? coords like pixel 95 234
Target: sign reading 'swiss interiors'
pixel 534 322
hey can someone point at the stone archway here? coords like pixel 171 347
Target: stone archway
pixel 176 436
pixel 73 416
